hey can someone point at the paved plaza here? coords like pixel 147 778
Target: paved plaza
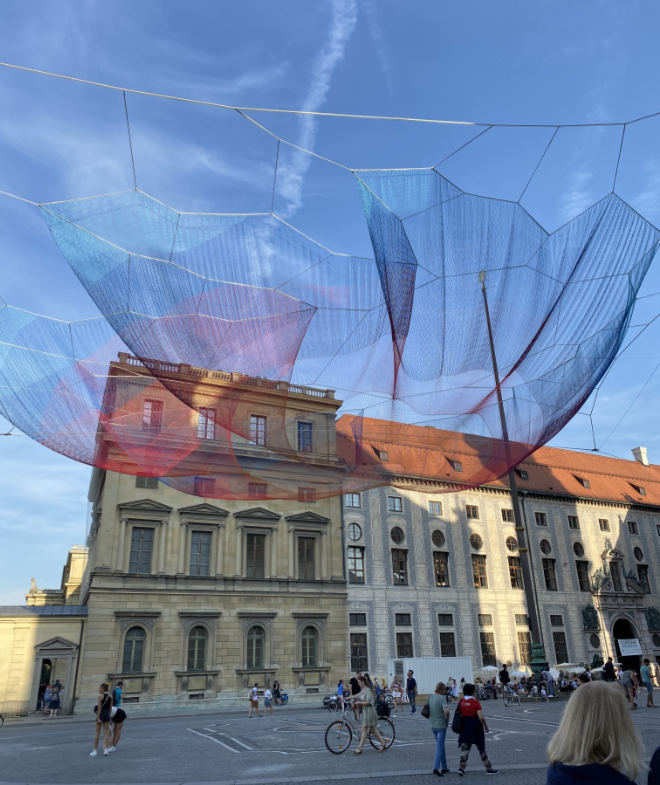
pixel 285 748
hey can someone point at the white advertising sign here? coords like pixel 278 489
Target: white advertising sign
pixel 629 646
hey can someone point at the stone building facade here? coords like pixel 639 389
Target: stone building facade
pixel 435 571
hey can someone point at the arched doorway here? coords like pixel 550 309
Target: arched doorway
pixel 624 629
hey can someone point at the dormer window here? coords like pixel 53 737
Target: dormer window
pixel 639 489
pixel 382 454
pixel 583 481
pixel 522 474
pixel 457 466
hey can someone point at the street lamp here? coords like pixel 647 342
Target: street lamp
pixel 538 659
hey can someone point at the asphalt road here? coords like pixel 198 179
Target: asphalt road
pixel 285 748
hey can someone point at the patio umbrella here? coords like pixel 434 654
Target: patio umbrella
pixel 554 673
pixel 519 674
pixel 576 669
pixel 489 668
pixel 562 666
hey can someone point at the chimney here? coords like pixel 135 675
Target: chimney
pixel 640 455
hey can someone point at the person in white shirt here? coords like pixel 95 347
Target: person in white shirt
pixel 253 695
pixel 268 701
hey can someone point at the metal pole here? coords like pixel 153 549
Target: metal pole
pixel 538 654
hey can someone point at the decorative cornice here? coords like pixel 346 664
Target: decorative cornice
pixel 143 505
pixel 137 614
pixel 307 517
pixel 258 514
pixel 203 510
pixel 256 614
pixel 200 614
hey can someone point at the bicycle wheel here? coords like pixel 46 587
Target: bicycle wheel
pixel 338 737
pixel 386 729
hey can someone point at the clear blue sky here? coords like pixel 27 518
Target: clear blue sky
pixel 547 62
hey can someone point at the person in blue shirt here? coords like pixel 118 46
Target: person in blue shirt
pixel 117 693
pixel 596 743
pixel 645 676
pixel 340 694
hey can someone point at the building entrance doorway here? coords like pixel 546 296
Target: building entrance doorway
pixel 624 629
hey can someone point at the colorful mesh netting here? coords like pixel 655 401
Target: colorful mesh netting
pixel 212 322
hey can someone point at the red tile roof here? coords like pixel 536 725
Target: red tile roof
pixel 412 451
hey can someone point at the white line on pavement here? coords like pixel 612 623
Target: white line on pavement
pixel 217 741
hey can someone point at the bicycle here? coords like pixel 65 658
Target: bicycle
pixel 339 734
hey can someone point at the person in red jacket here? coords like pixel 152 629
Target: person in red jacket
pixel 473 725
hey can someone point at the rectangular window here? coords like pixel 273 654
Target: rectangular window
pixel 142 541
pixel 632 527
pixel 359 651
pixel 556 620
pixel 522 619
pixel 394 504
pixel 643 577
pixel 615 574
pixel 583 481
pixel 152 416
pixel 435 508
pixel 355 564
pixel 200 553
pixel 441 568
pixel 479 572
pixel 487 640
pixel 257 429
pixel 541 519
pixel 525 647
pixel 306 558
pixel 582 568
pixel 472 512
pixel 445 619
pixel 604 524
pixel 150 483
pixel 515 572
pixel 206 423
pixel 204 486
pixel 352 500
pixel 484 620
pixel 304 436
pixel 400 567
pixel 573 522
pixel 549 574
pixel 402 619
pixel 447 644
pixel 255 556
pixel 522 473
pixel 404 645
pixel 257 490
pixel 357 619
pixel 507 514
pixel 306 494
pixel 561 649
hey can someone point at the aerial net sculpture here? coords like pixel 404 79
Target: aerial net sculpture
pixel 235 357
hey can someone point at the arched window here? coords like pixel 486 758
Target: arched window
pixel 310 647
pixel 133 650
pixel 197 648
pixel 256 639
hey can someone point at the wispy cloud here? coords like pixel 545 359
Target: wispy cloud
pixel 291 179
pixel 378 39
pixel 578 194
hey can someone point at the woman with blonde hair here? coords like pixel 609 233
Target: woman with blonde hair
pixel 596 741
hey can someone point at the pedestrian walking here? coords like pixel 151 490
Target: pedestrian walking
pixel 366 701
pixel 103 716
pixel 117 693
pixel 340 694
pixel 628 689
pixel 48 691
pixel 268 701
pixel 645 675
pixel 596 741
pixel 438 720
pixel 397 693
pixel 411 691
pixel 473 726
pixel 277 692
pixel 54 702
pixel 253 697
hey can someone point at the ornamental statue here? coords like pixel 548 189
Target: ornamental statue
pixel 590 618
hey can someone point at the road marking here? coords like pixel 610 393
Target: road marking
pixel 233 738
pixel 217 741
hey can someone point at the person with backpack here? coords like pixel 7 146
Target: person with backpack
pixel 471 731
